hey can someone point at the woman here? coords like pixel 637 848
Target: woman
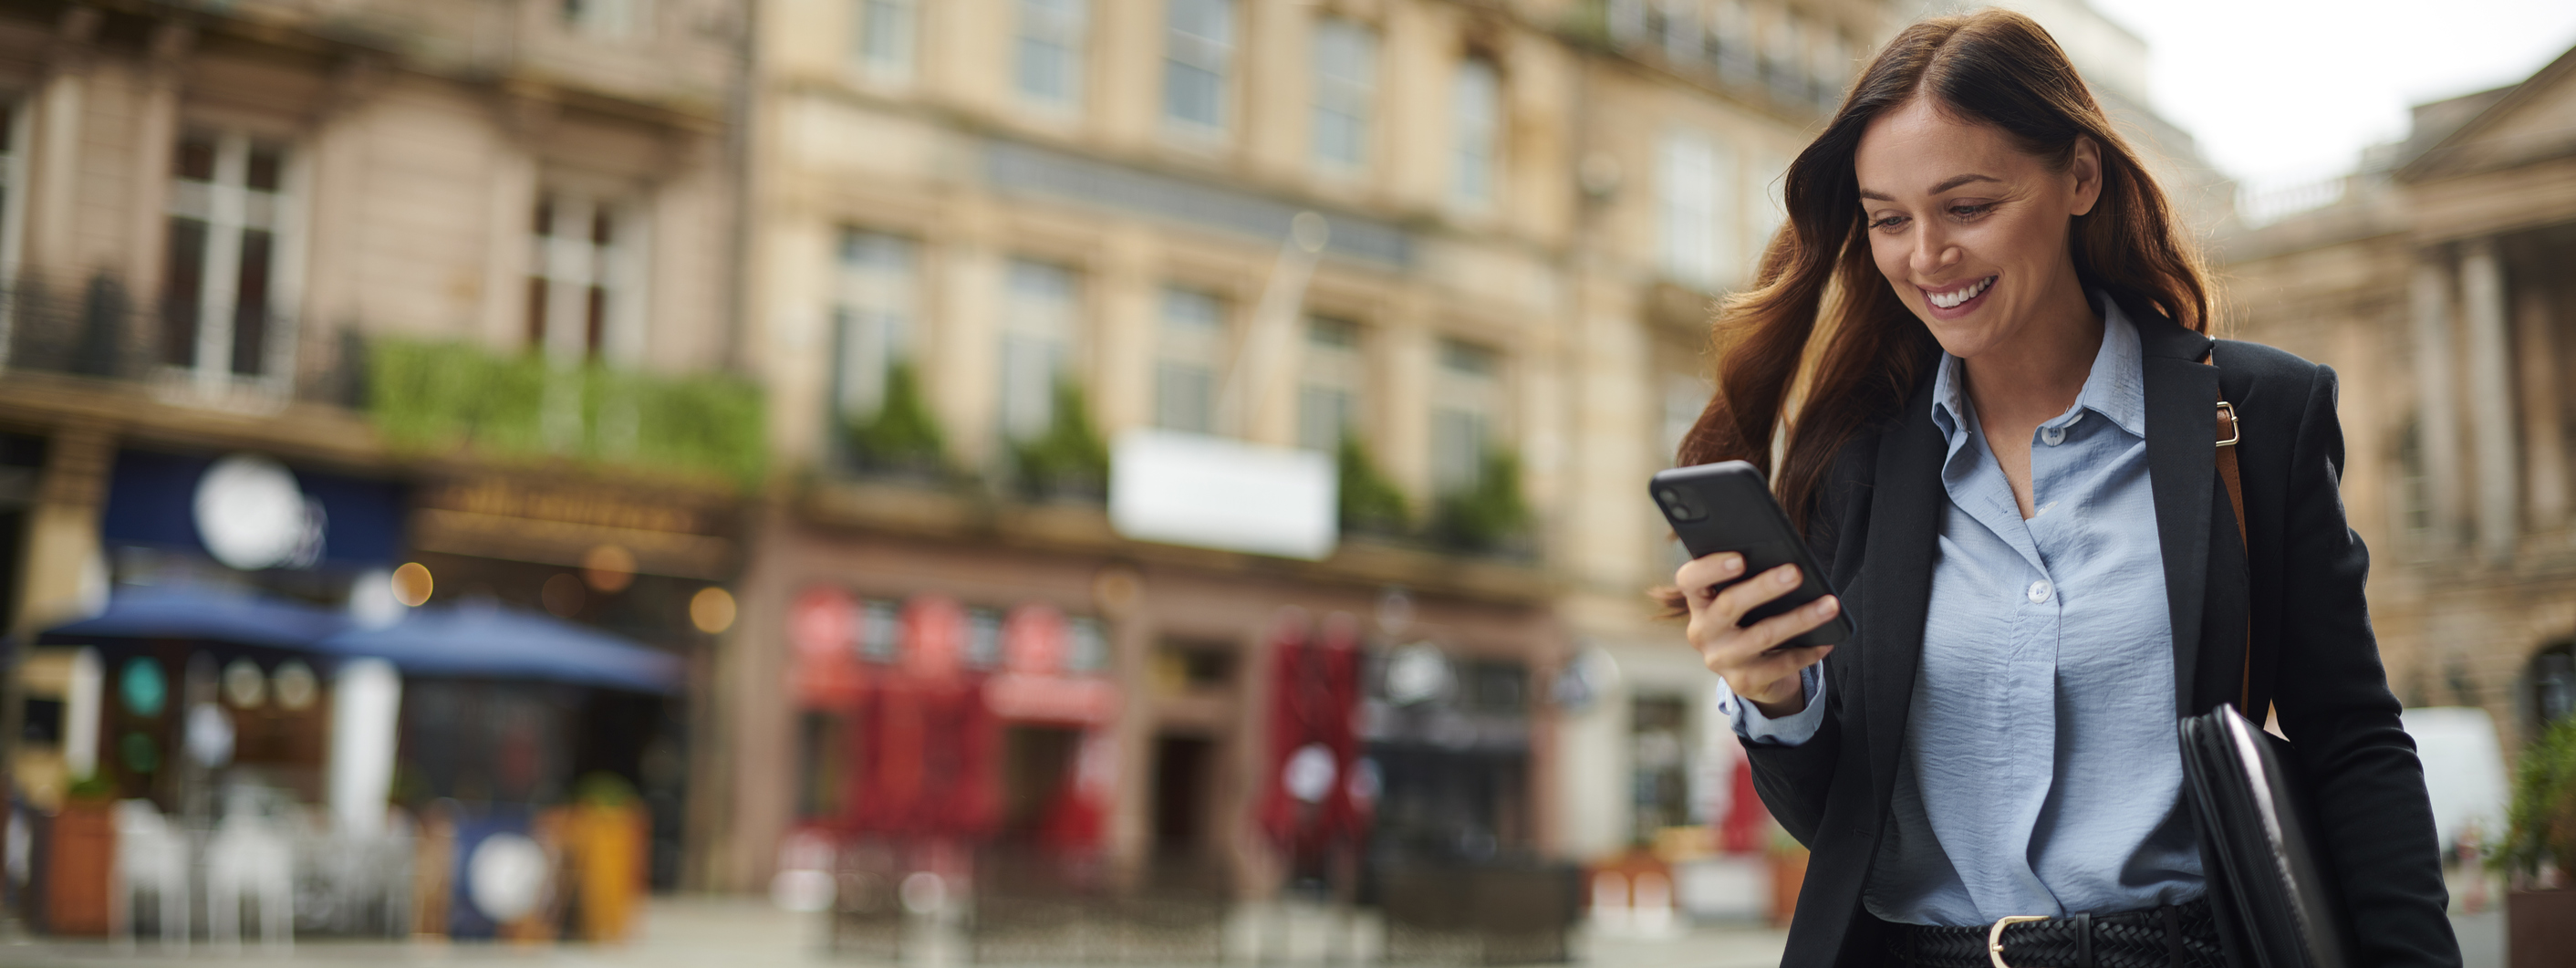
pixel 2003 456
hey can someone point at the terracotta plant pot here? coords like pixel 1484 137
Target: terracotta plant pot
pixel 83 863
pixel 1788 874
pixel 2540 929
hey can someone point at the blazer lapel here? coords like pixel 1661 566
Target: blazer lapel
pixel 2182 472
pixel 1904 535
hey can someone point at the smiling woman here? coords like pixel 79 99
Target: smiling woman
pixel 2002 459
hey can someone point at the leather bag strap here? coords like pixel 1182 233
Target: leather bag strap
pixel 2229 434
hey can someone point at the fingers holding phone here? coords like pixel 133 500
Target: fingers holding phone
pixel 1758 660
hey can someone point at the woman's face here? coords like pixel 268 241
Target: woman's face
pixel 1970 230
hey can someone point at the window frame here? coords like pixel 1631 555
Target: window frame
pixel 1182 356
pixel 1343 98
pixel 875 313
pixel 1068 34
pixel 897 64
pixel 1018 323
pixel 224 205
pixel 1476 133
pixel 1210 56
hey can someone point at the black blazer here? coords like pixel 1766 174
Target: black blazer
pixel 1875 529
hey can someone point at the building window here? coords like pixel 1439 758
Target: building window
pixel 886 38
pixel 1345 87
pixel 1475 122
pixel 1329 380
pixel 1774 169
pixel 1198 53
pixel 1463 406
pixel 605 19
pixel 1039 319
pixel 1730 43
pixel 1694 178
pixel 1659 731
pixel 1049 61
pixel 1785 59
pixel 2553 684
pixel 576 284
pixel 1685 396
pixel 872 316
pixel 13 175
pixel 223 314
pixel 1189 354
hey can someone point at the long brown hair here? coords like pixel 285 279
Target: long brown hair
pixel 1993 67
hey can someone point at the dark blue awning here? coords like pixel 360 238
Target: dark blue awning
pixel 482 639
pixel 204 615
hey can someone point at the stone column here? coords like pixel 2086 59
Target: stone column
pixel 2437 431
pixel 2544 428
pixel 2490 398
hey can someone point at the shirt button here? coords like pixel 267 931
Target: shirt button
pixel 2039 591
pixel 2052 436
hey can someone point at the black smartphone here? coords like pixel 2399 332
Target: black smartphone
pixel 1727 506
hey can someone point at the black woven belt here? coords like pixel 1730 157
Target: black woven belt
pixel 2179 936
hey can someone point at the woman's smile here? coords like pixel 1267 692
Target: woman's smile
pixel 1959 300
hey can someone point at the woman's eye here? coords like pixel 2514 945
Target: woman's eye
pixel 1888 222
pixel 1969 211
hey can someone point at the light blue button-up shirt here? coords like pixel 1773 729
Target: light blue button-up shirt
pixel 2040 773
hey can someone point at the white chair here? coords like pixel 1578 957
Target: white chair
pixel 151 855
pixel 250 858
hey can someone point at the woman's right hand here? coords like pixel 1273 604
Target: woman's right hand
pixel 1768 680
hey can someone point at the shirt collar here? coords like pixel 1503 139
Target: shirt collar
pixel 2116 388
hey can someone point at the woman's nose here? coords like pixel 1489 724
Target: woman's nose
pixel 1932 250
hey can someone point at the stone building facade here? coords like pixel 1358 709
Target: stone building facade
pixel 1529 205
pixel 236 228
pixel 2436 284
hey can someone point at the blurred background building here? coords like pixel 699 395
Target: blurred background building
pixel 1182 446
pixel 317 312
pixel 2435 281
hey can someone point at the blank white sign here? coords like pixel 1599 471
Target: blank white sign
pixel 1216 492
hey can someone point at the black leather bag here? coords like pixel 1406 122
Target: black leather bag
pixel 2269 887
pixel 2270 890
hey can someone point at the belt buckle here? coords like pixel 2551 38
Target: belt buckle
pixel 1995 936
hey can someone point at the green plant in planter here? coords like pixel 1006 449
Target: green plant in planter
pixel 902 437
pixel 1488 516
pixel 1068 460
pixel 2540 824
pixel 1370 504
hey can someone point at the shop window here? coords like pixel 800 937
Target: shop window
pixel 224 316
pixel 2553 684
pixel 1345 92
pixel 1086 645
pixel 1198 55
pixel 1184 666
pixel 823 746
pixel 873 314
pixel 1047 66
pixel 1038 327
pixel 1463 406
pixel 1190 353
pixel 1495 688
pixel 41 722
pixel 1329 382
pixel 1475 132
pixel 983 638
pixel 886 38
pixel 1658 764
pixel 881 632
pixel 581 295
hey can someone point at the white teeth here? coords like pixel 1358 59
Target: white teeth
pixel 1951 299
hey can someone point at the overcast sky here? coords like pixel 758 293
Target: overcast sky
pixel 2281 91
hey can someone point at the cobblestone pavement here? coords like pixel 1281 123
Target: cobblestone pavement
pixel 745 933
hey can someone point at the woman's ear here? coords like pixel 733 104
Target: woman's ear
pixel 2086 168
